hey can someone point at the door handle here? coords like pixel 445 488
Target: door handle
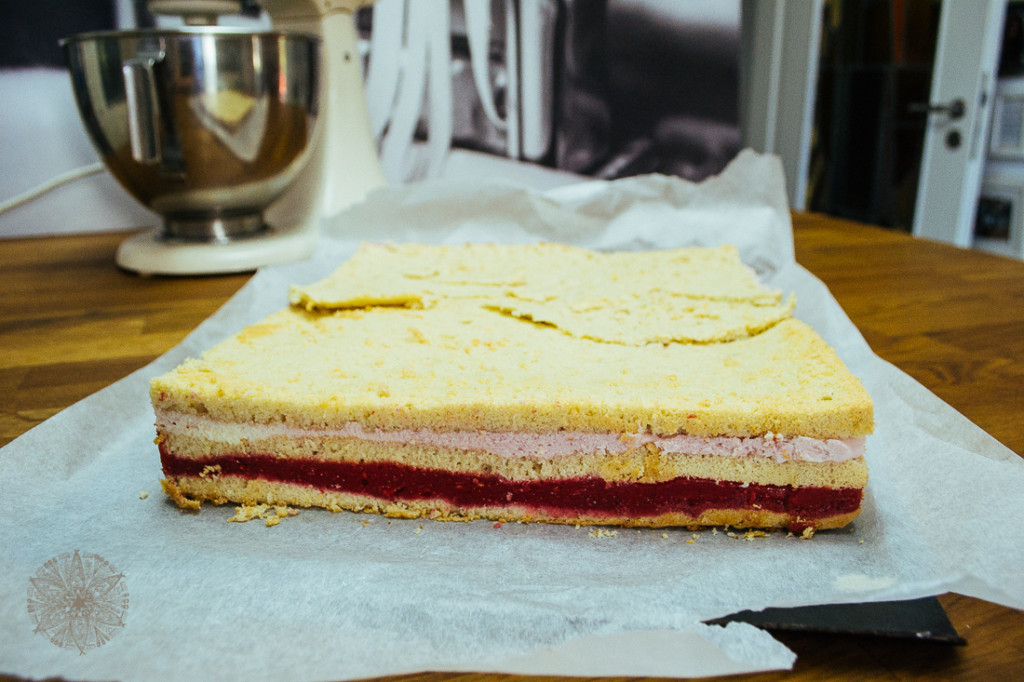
pixel 955 109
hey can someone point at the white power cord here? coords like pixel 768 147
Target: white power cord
pixel 50 185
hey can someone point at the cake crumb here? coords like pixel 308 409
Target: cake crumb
pixel 807 534
pixel 691 541
pixel 271 516
pixel 752 535
pixel 497 525
pixel 248 513
pixel 419 530
pixel 172 491
pixel 211 471
pixel 664 536
pixel 603 533
pixel 143 495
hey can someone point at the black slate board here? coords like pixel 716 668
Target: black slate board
pixel 918 619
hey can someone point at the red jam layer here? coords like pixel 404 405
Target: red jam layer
pixel 593 496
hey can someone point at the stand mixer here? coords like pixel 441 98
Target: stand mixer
pixel 243 142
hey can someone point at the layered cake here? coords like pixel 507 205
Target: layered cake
pixel 526 383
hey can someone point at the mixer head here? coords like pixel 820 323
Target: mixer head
pixel 203 12
pixel 207 12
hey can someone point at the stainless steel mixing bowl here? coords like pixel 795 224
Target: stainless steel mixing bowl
pixel 205 126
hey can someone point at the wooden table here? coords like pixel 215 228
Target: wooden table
pixel 71 323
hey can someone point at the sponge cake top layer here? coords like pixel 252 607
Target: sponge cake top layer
pixel 531 338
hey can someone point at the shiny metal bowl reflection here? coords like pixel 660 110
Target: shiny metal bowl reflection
pixel 205 126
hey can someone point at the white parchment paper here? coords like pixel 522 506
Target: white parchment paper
pixel 332 596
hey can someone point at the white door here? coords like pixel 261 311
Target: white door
pixel 779 70
pixel 963 83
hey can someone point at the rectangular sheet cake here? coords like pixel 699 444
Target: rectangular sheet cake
pixel 526 383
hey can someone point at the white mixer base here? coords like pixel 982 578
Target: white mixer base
pixel 149 254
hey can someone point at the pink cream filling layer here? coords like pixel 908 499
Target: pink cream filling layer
pixel 524 444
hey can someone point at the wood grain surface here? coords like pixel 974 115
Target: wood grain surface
pixel 72 323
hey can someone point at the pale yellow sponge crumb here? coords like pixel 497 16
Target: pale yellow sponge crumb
pixel 271 515
pixel 604 533
pixel 249 512
pixel 172 491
